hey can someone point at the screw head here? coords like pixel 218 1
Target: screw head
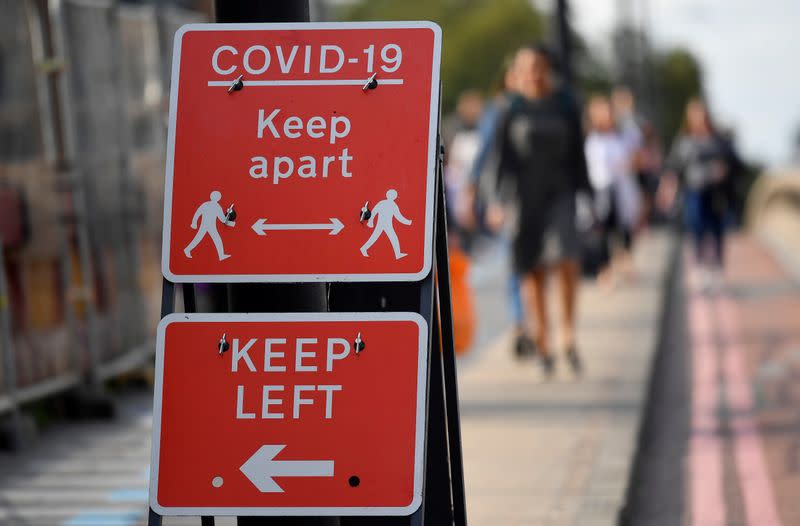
pixel 372 83
pixel 366 213
pixel 359 344
pixel 236 85
pixel 223 344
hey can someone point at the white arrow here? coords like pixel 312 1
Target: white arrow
pixel 262 467
pixel 261 226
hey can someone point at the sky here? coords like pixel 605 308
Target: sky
pixel 750 53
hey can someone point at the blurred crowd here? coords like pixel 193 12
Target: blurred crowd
pixel 568 187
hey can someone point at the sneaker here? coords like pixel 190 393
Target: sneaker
pixel 574 359
pixel 524 347
pixel 548 364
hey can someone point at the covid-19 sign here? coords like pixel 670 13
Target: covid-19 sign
pixel 302 152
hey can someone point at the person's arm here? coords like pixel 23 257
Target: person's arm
pixel 223 218
pixel 493 183
pixel 487 127
pixel 578 169
pixel 196 217
pixel 399 216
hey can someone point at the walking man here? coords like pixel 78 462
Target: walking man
pixel 209 213
pixel 385 212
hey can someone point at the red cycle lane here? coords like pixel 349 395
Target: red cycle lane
pixel 744 461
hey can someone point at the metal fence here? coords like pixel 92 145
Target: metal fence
pixel 83 91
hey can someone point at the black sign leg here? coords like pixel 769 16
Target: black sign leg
pixel 449 365
pixel 437 497
pixel 189 302
pixel 167 297
pixel 190 305
pixel 153 518
pixel 167 307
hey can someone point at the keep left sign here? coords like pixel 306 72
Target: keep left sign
pixel 302 152
pixel 289 414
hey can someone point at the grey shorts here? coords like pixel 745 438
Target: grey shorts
pixel 555 240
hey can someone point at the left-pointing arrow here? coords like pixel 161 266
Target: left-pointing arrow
pixel 261 468
pixel 261 226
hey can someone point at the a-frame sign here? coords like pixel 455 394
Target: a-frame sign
pixel 307 153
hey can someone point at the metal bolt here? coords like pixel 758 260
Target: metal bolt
pixel 365 212
pixel 223 344
pixel 372 82
pixel 359 344
pixel 236 85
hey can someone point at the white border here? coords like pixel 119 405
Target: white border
pixel 430 198
pixel 419 442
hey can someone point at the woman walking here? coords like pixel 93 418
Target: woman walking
pixel 537 167
pixel 701 163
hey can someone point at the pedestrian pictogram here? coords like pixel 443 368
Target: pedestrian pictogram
pixel 293 418
pixel 300 126
pixel 382 219
pixel 208 214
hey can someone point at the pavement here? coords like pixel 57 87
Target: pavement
pixel 560 451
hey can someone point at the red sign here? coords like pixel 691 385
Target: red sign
pixel 303 414
pixel 302 152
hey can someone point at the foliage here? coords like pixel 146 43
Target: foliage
pixel 678 78
pixel 478 35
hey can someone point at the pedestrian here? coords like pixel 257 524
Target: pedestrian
pixel 610 158
pixel 700 166
pixel 640 138
pixel 537 168
pixel 494 113
pixel 460 156
pixel 648 166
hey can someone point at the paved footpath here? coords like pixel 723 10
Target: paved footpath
pixel 560 452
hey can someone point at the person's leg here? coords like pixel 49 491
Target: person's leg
pixel 390 233
pixel 716 227
pixel 515 300
pixel 534 284
pixel 568 274
pixel 218 244
pixel 374 237
pixel 194 242
pixel 626 256
pixel 521 344
pixel 693 211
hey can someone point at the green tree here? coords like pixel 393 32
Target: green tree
pixel 679 77
pixel 478 35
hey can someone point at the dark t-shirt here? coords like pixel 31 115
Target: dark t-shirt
pixel 694 159
pixel 538 156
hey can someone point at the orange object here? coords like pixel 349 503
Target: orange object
pixel 463 305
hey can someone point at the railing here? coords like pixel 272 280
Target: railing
pixel 83 86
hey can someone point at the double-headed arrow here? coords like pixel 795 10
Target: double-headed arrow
pixel 261 226
pixel 262 467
